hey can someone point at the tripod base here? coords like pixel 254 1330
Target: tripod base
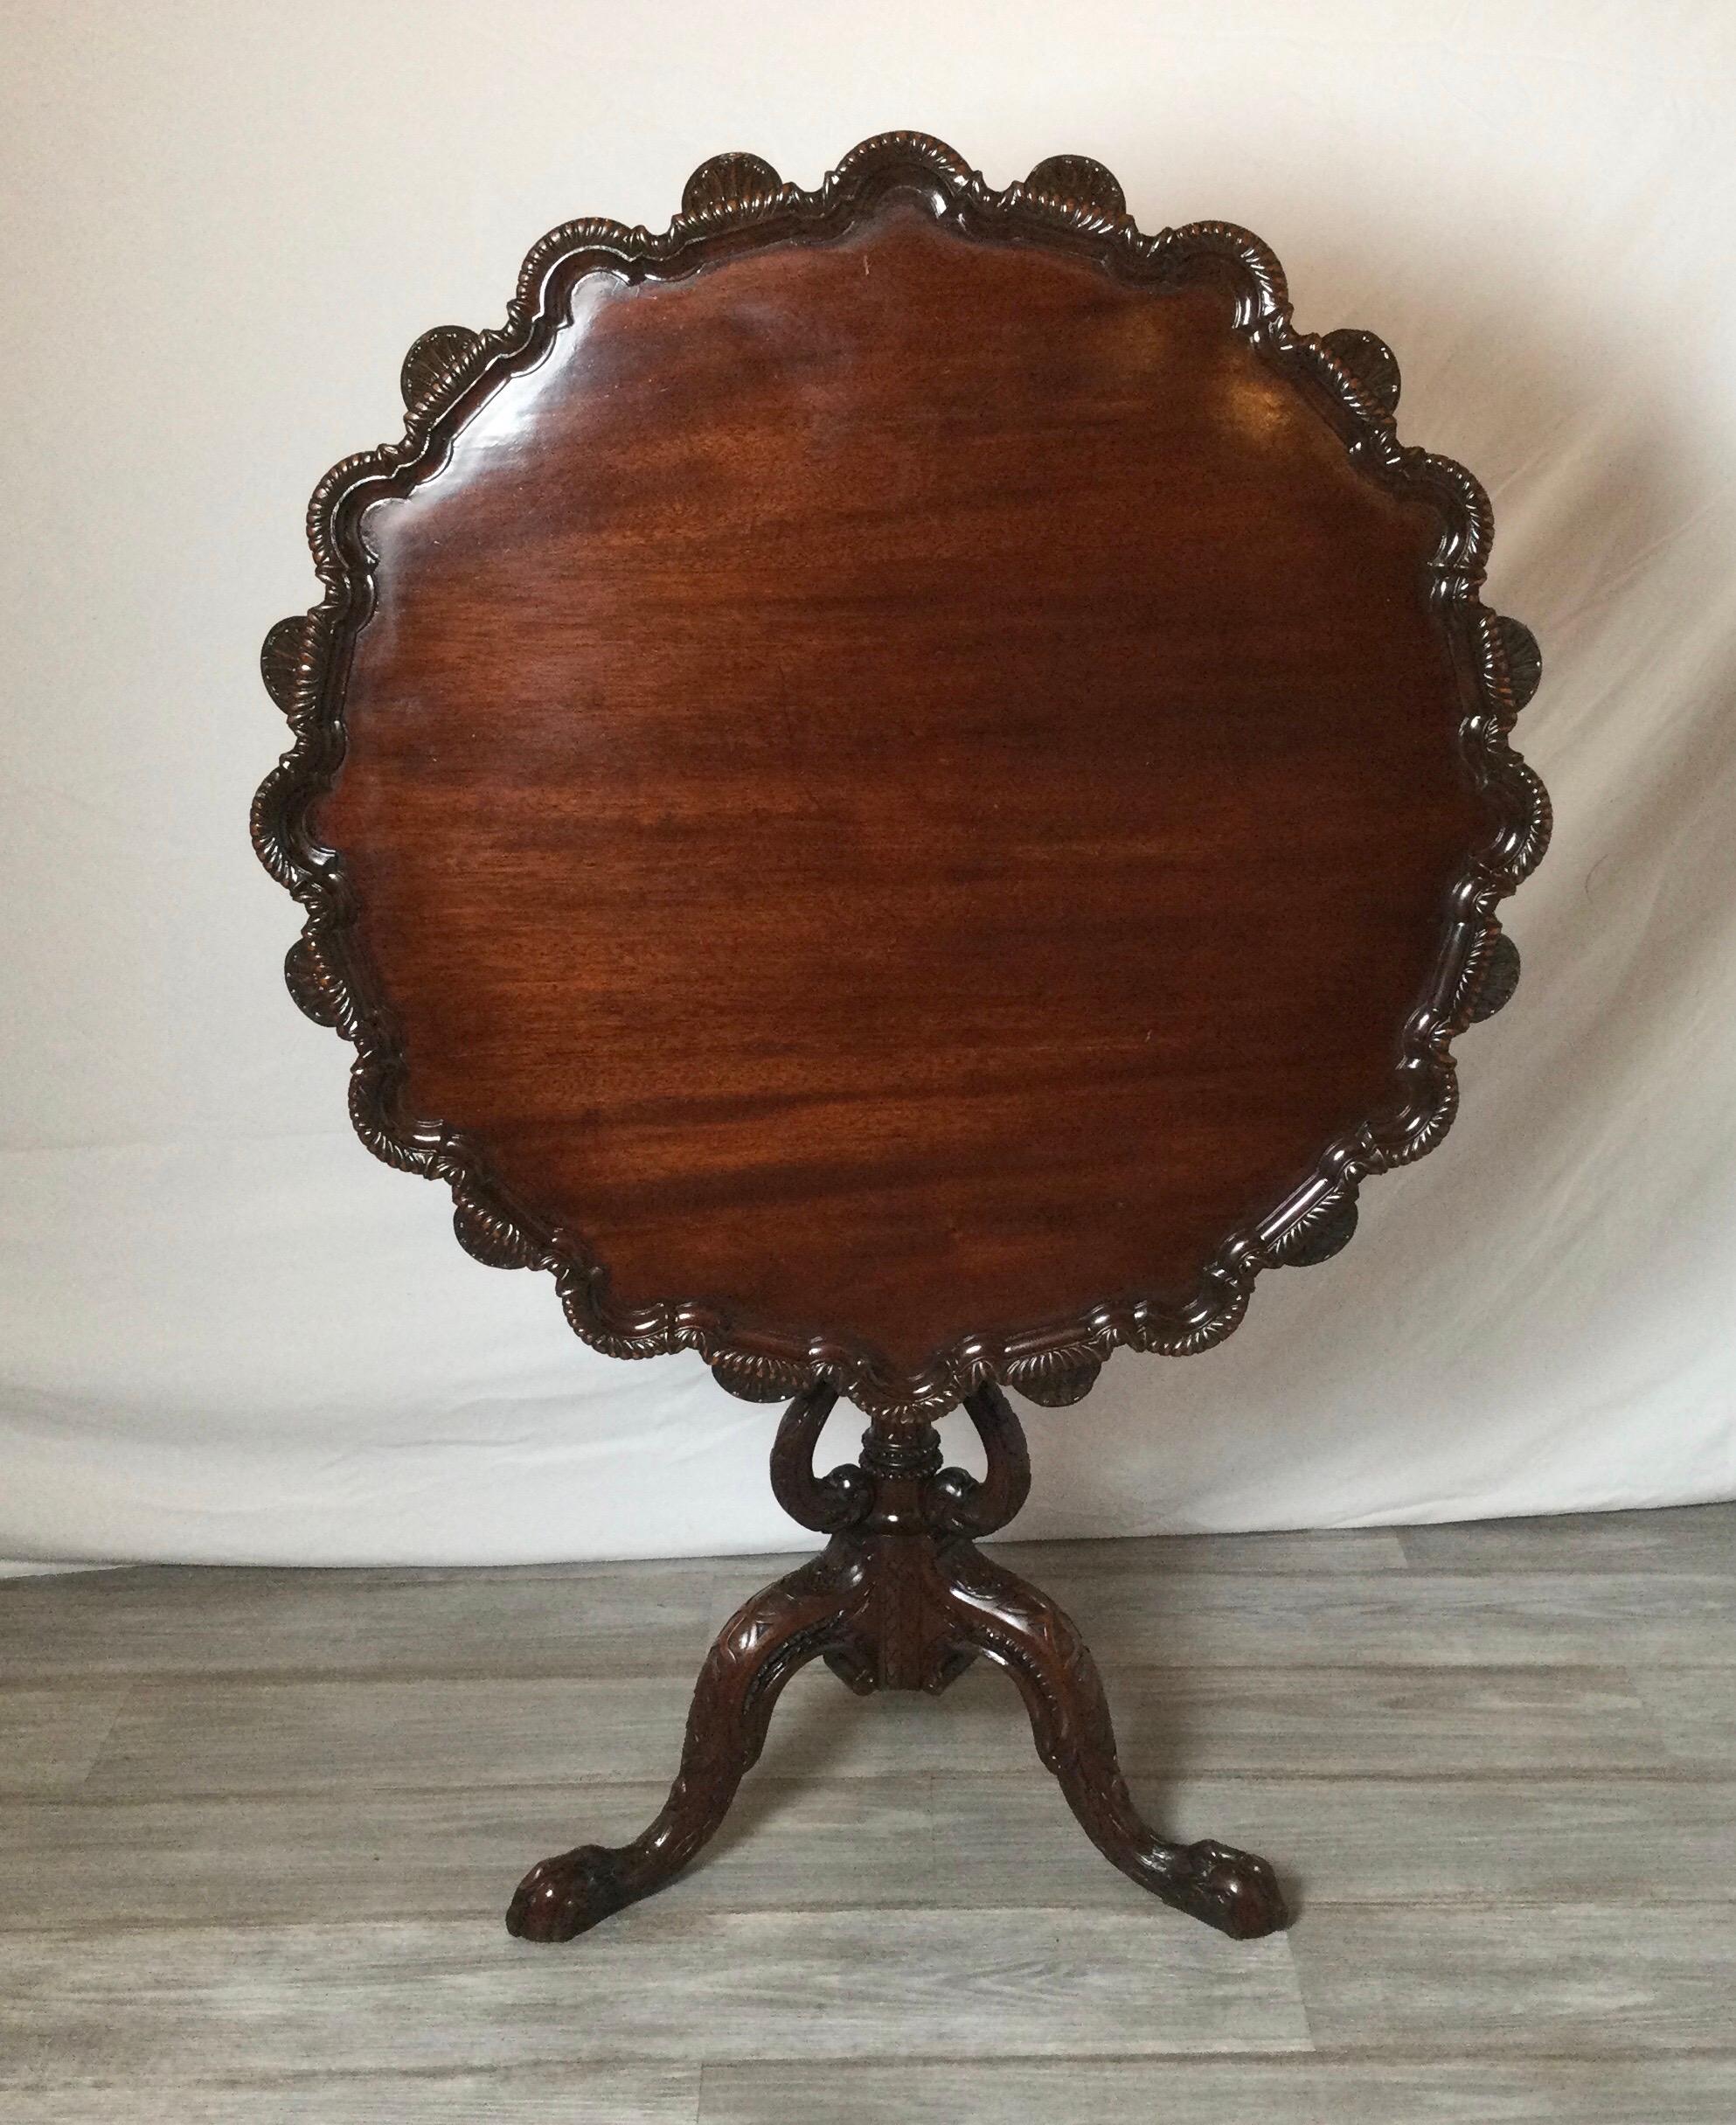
pixel 900 1599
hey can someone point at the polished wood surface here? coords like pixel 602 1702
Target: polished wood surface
pixel 902 787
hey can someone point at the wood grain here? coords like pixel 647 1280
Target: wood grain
pixel 198 1620
pixel 893 720
pixel 1582 1979
pixel 916 710
pixel 586 2095
pixel 289 1858
pixel 1698 1538
pixel 275 1894
pixel 1694 1713
pixel 53 1736
pixel 200 2004
pixel 1552 2091
pixel 267 1737
pixel 951 1840
pixel 1420 1618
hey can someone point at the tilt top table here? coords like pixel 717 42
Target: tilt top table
pixel 902 785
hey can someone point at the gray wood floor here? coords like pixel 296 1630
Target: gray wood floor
pixel 257 1830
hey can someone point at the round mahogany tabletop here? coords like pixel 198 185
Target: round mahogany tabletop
pixel 901 783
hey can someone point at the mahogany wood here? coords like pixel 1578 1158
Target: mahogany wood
pixel 902 785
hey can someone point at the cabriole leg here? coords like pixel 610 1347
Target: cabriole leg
pixel 1022 1631
pixel 758 1651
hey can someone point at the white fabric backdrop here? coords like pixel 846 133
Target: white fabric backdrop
pixel 228 1334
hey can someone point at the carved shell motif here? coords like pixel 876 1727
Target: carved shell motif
pixel 1077 190
pixel 1369 361
pixel 1500 978
pixel 729 187
pixel 1057 1379
pixel 488 1234
pixel 436 361
pixel 738 1374
pixel 1524 658
pixel 311 984
pixel 1319 1235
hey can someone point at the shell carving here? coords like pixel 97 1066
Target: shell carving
pixel 1525 659
pixel 728 186
pixel 490 1235
pixel 436 361
pixel 284 659
pixel 1370 360
pixel 1056 1380
pixel 1079 191
pixel 747 1380
pixel 1499 980
pixel 1323 1233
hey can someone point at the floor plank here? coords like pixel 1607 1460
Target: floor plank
pixel 575 2095
pixel 348 1855
pixel 1417 1619
pixel 204 1621
pixel 1579 1979
pixel 815 1843
pixel 1384 1618
pixel 1357 1720
pixel 1683 1538
pixel 1659 2091
pixel 1502 1841
pixel 217 1736
pixel 1694 1710
pixel 257 1828
pixel 205 2003
pixel 52 1737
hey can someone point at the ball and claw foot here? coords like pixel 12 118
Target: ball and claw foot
pixel 1235 1891
pixel 566 1896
